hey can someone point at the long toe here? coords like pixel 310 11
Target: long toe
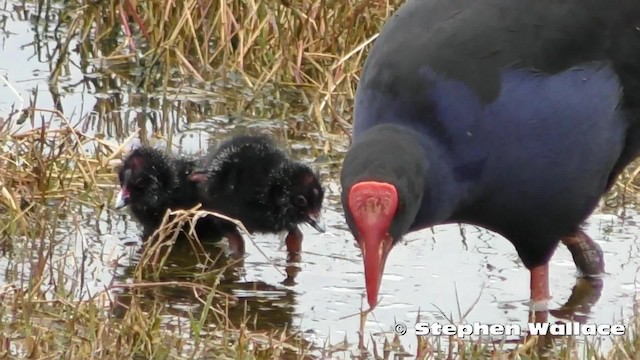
pixel 586 253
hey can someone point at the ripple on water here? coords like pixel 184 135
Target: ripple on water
pixel 392 277
pixel 395 305
pixel 266 294
pixel 353 274
pixel 343 289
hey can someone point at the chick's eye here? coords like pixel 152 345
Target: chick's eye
pixel 301 201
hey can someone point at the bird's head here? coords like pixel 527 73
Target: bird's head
pixel 382 188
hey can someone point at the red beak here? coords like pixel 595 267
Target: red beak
pixel 373 206
pixel 375 249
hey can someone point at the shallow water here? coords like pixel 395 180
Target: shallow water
pixel 437 272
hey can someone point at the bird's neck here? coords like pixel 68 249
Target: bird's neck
pixel 416 164
pixel 442 194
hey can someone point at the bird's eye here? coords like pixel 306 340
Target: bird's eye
pixel 301 200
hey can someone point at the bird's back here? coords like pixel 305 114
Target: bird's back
pixel 239 174
pixel 472 41
pixel 523 98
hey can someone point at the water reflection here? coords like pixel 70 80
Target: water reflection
pixel 262 306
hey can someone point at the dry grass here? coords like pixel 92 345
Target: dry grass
pixel 310 52
pixel 51 311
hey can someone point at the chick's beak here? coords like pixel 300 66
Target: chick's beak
pixel 122 200
pixel 317 222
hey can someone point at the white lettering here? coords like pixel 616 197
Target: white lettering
pixel 536 329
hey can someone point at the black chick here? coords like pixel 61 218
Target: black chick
pixel 249 178
pixel 152 182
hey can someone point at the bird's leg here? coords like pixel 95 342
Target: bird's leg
pixel 294 243
pixel 293 240
pixel 236 243
pixel 540 284
pixel 540 292
pixel 540 296
pixel 586 253
pixel 589 259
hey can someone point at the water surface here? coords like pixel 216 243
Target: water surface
pixel 436 273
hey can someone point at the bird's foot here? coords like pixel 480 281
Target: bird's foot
pixel 586 253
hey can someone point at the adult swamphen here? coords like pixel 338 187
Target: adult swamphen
pixel 515 116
